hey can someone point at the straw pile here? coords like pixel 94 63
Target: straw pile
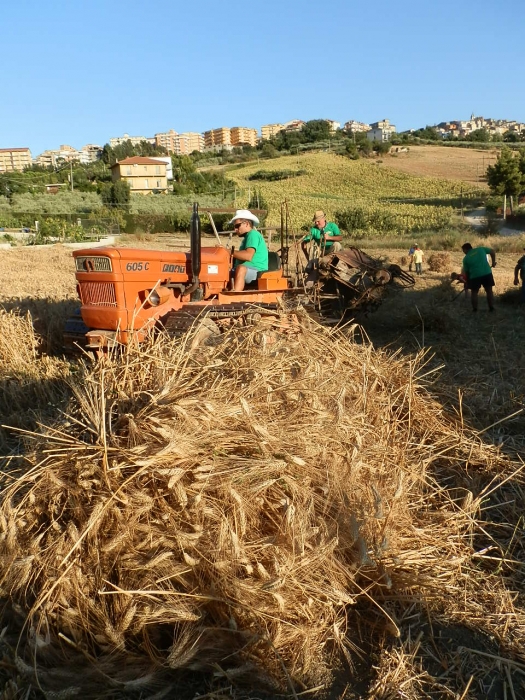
pixel 439 262
pixel 235 510
pixel 30 383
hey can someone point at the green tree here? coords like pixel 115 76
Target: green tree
pixel 382 148
pixel 257 201
pixel 316 130
pixel 116 194
pixel 505 176
pixel 511 137
pixel 365 148
pixel 351 150
pixel 429 133
pixel 121 194
pixel 479 136
pixel 269 151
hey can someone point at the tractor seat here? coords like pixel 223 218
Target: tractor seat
pixel 274 267
pixel 270 277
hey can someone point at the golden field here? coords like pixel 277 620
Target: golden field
pixel 467 165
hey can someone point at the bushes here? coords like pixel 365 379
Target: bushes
pixel 360 221
pixel 273 175
pixel 53 229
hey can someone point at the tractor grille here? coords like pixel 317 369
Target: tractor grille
pixel 95 264
pixel 98 294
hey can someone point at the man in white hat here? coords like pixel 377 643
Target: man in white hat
pixel 252 256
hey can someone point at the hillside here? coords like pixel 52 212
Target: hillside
pixel 453 163
pixel 387 200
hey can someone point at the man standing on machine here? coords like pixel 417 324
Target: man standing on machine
pixel 252 256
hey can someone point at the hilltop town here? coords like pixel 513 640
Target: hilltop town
pixel 228 138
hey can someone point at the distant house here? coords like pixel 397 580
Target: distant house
pixel 294 125
pixel 355 127
pixel 381 131
pixel 333 125
pixel 54 187
pixel 269 130
pixel 144 175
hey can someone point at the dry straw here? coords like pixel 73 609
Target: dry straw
pixel 440 262
pixel 30 383
pixel 235 509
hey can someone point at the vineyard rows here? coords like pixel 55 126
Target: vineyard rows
pixel 361 195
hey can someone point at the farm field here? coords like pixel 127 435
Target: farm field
pixel 387 198
pixel 465 164
pixel 467 640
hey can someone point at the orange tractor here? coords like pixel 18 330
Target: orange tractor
pixel 131 290
pixel 126 291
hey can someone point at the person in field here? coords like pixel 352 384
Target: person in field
pixel 411 256
pixel 325 234
pixel 252 256
pixel 519 274
pixel 418 256
pixel 478 272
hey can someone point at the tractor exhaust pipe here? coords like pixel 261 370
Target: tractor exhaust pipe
pixel 194 289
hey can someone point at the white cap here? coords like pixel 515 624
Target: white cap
pixel 244 214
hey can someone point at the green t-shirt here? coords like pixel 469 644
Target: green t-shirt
pixel 475 263
pixel 253 239
pixel 315 234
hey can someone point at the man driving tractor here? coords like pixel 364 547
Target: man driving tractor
pixel 252 256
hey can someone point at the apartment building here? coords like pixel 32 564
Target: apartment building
pixel 333 125
pixel 14 159
pixel 270 130
pixel 53 158
pixel 144 175
pixel 90 153
pixel 242 136
pixel 47 159
pixel 135 140
pixel 180 144
pixel 167 140
pixel 294 125
pixel 68 153
pixel 217 139
pixel 190 141
pixel 381 131
pixel 355 127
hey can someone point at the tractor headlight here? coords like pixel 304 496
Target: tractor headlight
pixel 159 296
pixel 154 298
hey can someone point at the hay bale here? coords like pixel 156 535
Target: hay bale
pixel 224 510
pixel 439 262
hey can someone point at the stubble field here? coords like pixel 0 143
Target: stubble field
pixel 467 165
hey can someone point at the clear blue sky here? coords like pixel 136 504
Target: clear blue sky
pixel 81 71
